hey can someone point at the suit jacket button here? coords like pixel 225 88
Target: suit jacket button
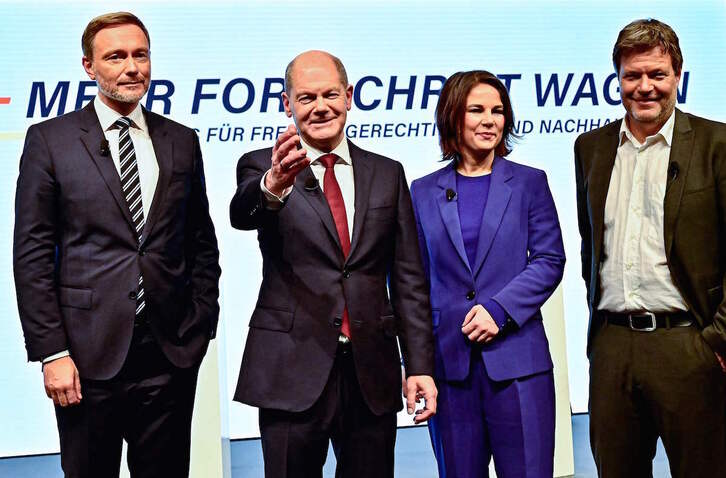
pixel 470 295
pixel 346 273
pixel 337 321
pixel 132 295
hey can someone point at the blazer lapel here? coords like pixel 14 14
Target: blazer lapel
pixel 362 178
pixel 92 136
pixel 681 154
pixel 315 197
pixel 450 212
pixel 497 201
pixel 598 182
pixel 164 152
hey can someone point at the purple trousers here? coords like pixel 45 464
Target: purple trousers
pixel 478 418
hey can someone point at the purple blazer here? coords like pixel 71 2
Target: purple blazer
pixel 519 262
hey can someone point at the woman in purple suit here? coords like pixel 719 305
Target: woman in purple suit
pixel 492 250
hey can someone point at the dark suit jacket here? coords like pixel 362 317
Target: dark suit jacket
pixel 519 262
pixel 694 216
pixel 306 283
pixel 76 255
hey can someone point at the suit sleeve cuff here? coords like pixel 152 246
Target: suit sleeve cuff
pixel 499 315
pixel 50 358
pixel 273 201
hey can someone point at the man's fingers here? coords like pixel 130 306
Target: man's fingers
pixel 288 147
pixel 290 131
pixel 292 159
pixel 410 399
pixel 77 383
pixel 62 399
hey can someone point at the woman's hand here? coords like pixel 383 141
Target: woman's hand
pixel 479 326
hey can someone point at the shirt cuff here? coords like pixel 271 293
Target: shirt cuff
pixel 50 358
pixel 272 200
pixel 499 315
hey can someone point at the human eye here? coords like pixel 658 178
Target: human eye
pixel 304 99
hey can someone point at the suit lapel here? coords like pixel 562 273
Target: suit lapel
pixel 598 182
pixel 450 212
pixel 92 136
pixel 163 150
pixel 362 178
pixel 315 197
pixel 497 201
pixel 681 154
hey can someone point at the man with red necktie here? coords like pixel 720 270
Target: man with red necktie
pixel 337 234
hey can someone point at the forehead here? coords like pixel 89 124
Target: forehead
pixel 655 57
pixel 316 72
pixel 125 37
pixel 483 93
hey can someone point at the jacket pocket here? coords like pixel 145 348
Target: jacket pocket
pixel 271 319
pixel 77 298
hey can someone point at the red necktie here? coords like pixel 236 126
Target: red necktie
pixel 331 189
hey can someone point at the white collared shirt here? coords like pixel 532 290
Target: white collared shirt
pixel 343 170
pixel 634 275
pixel 145 156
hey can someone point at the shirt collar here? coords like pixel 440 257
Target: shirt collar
pixel 341 151
pixel 107 116
pixel 665 132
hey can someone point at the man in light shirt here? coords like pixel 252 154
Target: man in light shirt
pixel 116 266
pixel 337 233
pixel 651 198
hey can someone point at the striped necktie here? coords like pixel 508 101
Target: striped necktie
pixel 131 188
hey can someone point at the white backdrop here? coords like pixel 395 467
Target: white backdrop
pixel 219 69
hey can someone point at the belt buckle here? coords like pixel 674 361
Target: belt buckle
pixel 649 328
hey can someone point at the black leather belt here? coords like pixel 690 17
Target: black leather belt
pixel 648 321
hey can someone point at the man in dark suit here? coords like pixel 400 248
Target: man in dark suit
pixel 116 266
pixel 651 197
pixel 337 234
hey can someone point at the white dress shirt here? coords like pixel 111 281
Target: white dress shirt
pixel 634 275
pixel 145 159
pixel 343 170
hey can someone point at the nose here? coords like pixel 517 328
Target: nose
pixel 320 105
pixel 487 118
pixel 131 67
pixel 645 84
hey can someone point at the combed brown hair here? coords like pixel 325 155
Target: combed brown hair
pixel 643 35
pixel 105 21
pixel 336 61
pixel 451 108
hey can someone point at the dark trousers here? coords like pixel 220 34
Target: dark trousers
pixel 295 444
pixel 149 404
pixel 513 420
pixel 644 385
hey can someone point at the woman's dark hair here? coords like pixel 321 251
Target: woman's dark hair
pixel 451 108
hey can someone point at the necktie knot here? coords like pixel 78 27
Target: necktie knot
pixel 123 123
pixel 328 160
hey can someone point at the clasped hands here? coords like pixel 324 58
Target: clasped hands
pixel 479 326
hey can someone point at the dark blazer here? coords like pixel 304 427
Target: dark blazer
pixel 694 217
pixel 76 255
pixel 519 262
pixel 306 283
